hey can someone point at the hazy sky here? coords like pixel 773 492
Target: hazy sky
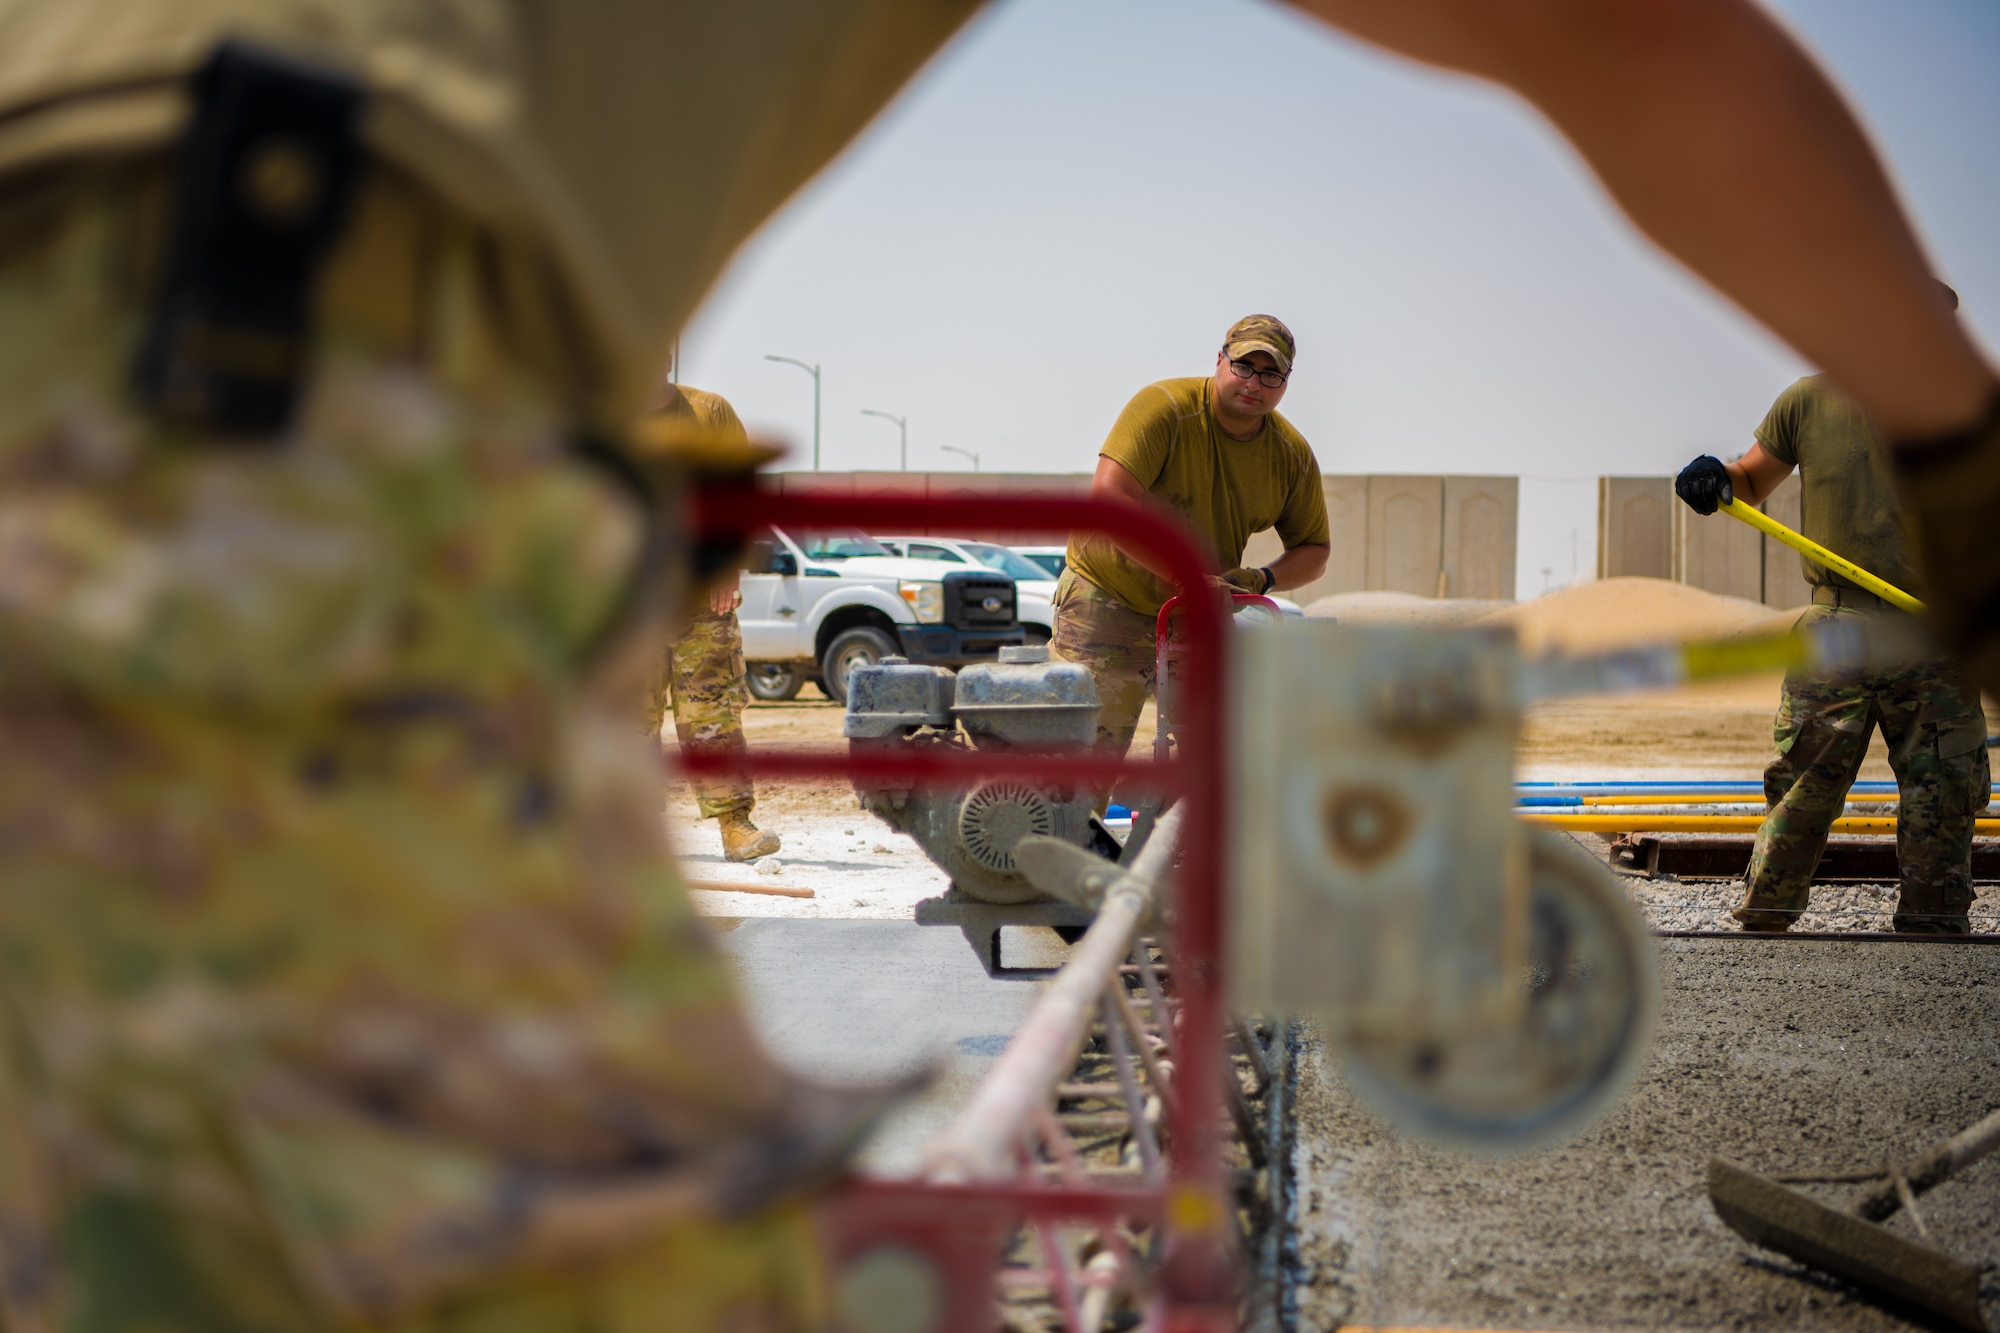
pixel 1078 197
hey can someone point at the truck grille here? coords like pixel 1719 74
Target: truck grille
pixel 978 601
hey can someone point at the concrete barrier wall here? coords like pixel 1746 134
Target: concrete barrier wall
pixel 1643 529
pixel 1418 534
pixel 1406 534
pixel 1784 573
pixel 1719 553
pixel 1480 529
pixel 1635 529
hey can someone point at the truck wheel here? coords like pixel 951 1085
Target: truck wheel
pixel 858 647
pixel 773 682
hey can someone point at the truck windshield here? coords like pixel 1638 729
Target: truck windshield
pixel 837 544
pixel 1010 563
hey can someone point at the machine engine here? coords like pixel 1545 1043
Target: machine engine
pixel 1022 703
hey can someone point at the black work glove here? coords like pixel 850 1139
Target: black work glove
pixel 1704 485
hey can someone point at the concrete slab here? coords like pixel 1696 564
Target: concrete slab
pixel 1782 1056
pixel 861 1001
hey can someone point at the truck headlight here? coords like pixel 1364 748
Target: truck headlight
pixel 926 599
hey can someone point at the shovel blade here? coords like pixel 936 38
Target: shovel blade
pixel 1765 1213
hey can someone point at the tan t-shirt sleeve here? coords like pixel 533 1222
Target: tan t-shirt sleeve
pixel 1779 431
pixel 1304 521
pixel 1143 436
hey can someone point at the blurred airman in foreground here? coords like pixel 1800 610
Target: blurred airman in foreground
pixel 348 977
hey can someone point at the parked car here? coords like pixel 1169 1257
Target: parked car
pixel 816 605
pixel 1034 588
pixel 1054 559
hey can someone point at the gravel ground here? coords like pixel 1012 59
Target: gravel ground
pixel 1670 904
pixel 1783 1056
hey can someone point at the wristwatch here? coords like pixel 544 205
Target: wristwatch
pixel 1270 579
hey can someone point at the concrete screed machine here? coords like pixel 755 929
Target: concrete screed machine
pixel 1485 982
pixel 1336 839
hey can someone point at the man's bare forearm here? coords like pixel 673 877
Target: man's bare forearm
pixel 1754 476
pixel 1298 566
pixel 1685 110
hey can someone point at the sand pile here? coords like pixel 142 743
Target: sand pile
pixel 1626 612
pixel 1402 608
pixel 1593 617
pixel 1622 613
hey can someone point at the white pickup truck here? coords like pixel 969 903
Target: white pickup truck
pixel 818 604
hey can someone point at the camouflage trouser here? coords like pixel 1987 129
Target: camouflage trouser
pixel 702 681
pixel 1096 630
pixel 1936 737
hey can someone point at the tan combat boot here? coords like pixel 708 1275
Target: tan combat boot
pixel 1766 915
pixel 742 840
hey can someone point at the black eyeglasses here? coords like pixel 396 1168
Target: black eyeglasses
pixel 1270 379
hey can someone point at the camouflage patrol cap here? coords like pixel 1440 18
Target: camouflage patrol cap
pixel 1260 333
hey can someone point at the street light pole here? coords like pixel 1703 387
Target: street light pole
pixel 902 424
pixel 954 449
pixel 814 372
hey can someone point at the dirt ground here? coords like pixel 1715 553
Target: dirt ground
pixel 857 867
pixel 1725 728
pixel 1706 731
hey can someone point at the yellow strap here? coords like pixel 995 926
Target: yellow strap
pixel 1812 550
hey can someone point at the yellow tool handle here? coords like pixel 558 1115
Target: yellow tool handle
pixel 1985 828
pixel 1812 550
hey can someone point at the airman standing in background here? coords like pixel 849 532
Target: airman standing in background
pixel 701 680
pixel 1216 452
pixel 1929 715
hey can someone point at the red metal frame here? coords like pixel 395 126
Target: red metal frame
pixel 1161 627
pixel 959 1227
pixel 1162 637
